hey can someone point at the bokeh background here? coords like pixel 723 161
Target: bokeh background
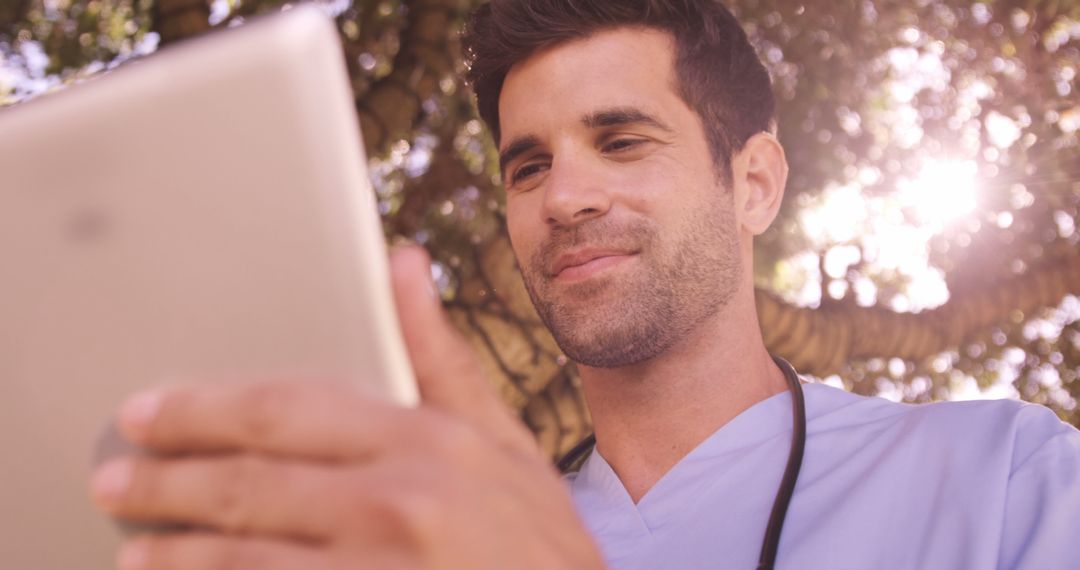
pixel 928 245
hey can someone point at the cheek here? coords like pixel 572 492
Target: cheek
pixel 523 228
pixel 676 201
pixel 677 174
pixel 650 186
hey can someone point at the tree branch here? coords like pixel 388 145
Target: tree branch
pixel 821 341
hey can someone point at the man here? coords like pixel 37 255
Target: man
pixel 637 154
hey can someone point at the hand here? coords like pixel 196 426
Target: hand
pixel 307 476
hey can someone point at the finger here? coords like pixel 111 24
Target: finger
pixel 371 511
pixel 315 421
pixel 208 551
pixel 232 493
pixel 447 371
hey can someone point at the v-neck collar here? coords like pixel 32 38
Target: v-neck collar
pixel 609 503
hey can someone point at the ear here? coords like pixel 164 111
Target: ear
pixel 760 170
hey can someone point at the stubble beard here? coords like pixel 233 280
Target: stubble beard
pixel 611 322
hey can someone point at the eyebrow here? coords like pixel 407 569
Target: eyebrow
pixel 613 117
pixel 620 116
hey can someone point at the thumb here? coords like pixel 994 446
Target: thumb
pixel 447 370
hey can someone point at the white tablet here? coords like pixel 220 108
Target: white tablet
pixel 202 213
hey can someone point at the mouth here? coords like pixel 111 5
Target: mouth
pixel 583 264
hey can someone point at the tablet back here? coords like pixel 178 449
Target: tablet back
pixel 202 213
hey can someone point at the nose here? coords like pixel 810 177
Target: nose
pixel 576 191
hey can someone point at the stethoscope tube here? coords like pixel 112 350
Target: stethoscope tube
pixel 771 543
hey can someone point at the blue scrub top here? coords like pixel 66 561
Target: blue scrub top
pixel 952 485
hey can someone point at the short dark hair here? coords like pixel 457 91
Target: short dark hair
pixel 718 73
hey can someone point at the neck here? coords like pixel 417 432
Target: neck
pixel 649 415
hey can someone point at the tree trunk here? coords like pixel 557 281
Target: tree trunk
pixel 393 106
pixel 12 12
pixel 175 20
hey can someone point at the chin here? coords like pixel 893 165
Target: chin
pixel 609 344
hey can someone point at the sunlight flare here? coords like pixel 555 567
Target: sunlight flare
pixel 943 191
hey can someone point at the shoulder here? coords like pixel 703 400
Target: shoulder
pixel 1017 428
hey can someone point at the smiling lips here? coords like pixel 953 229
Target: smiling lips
pixel 582 264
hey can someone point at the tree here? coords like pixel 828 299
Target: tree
pixel 895 115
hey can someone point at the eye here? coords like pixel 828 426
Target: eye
pixel 620 144
pixel 527 170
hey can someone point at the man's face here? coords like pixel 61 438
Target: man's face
pixel 621 223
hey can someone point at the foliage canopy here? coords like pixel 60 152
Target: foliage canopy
pixel 928 244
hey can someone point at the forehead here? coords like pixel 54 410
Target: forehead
pixel 621 67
